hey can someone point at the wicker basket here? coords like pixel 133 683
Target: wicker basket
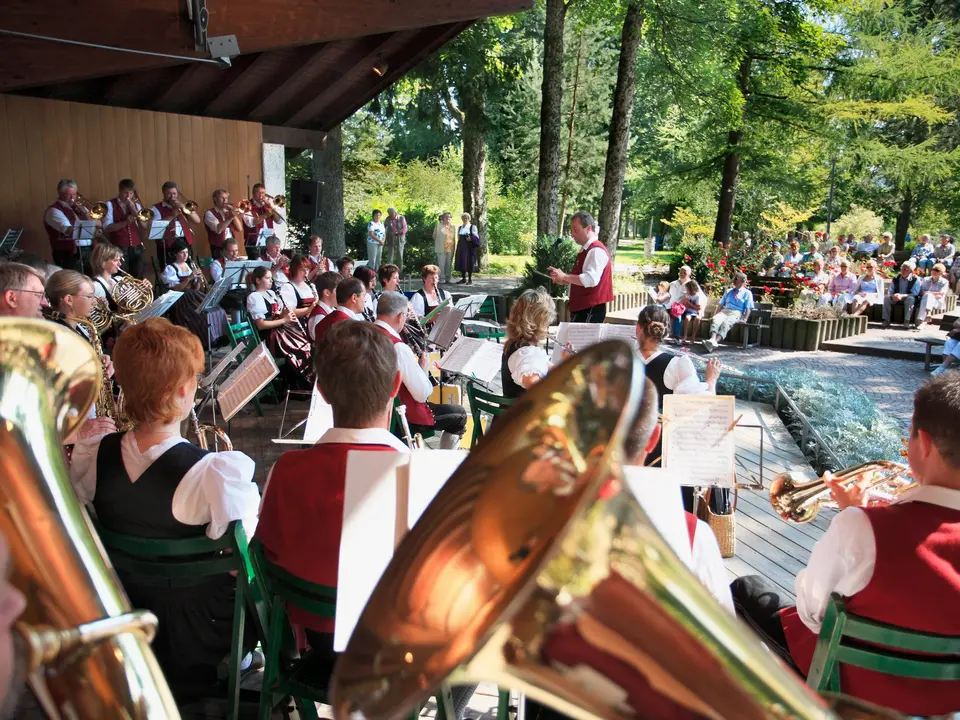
pixel 723 526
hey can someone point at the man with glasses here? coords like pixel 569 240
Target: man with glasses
pixel 21 291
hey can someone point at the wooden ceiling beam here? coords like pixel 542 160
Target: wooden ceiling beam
pixel 187 91
pixel 240 90
pixel 324 59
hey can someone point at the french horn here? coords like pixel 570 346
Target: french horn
pixel 536 569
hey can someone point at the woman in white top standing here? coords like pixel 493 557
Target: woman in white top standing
pixel 524 360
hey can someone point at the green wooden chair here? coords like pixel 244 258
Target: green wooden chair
pixel 486 311
pixel 853 640
pixel 204 262
pixel 193 558
pixel 481 402
pixel 246 331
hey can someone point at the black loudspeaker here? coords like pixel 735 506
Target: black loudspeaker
pixel 304 200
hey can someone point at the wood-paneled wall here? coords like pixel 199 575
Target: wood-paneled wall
pixel 42 141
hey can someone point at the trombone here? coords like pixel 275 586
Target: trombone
pixel 144 214
pixel 799 500
pixel 96 211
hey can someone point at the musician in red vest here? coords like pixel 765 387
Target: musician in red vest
pixel 591 282
pixel 897 564
pixel 326 284
pixel 301 517
pixel 350 294
pixel 447 419
pixel 262 215
pixel 318 263
pixel 122 227
pixel 172 208
pixel 222 222
pixel 59 220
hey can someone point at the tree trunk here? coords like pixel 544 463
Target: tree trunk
pixel 328 169
pixel 619 141
pixel 573 117
pixel 903 218
pixel 474 138
pixel 551 101
pixel 730 178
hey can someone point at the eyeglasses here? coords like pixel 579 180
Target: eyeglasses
pixel 38 293
pixel 89 296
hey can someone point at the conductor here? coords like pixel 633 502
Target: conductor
pixel 591 282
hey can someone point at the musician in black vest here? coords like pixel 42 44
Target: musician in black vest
pixel 431 295
pixel 524 361
pixel 152 483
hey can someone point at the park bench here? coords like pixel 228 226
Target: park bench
pixel 930 342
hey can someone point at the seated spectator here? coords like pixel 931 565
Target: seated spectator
pixel 945 251
pixel 841 287
pixel 832 262
pixel 850 244
pixel 301 518
pixel 904 289
pixel 813 253
pixel 791 261
pixel 954 277
pixel 951 350
pixel 735 306
pixel 694 305
pixel 661 296
pixel 922 254
pixel 933 293
pixel 773 260
pixel 869 289
pixel 152 483
pixel 886 249
pixel 524 361
pixel 866 249
pixel 678 288
pixel 817 275
pixel 447 419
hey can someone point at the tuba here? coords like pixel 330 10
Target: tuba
pixel 86 652
pixel 799 500
pixel 536 569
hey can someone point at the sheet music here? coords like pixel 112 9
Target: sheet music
pixel 158 307
pixel 582 335
pixel 429 472
pixel 320 417
pixel 84 231
pixel 211 377
pixel 159 229
pixel 215 294
pixel 660 498
pixel 616 331
pixel 446 326
pixel 473 357
pixel 252 375
pixel 471 304
pixel 698 439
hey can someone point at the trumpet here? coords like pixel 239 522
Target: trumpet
pixel 96 211
pixel 799 500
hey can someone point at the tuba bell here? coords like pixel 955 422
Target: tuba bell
pixel 536 569
pixel 87 653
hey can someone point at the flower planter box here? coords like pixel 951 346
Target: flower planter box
pixel 793 333
pixel 789 333
pixel 776 331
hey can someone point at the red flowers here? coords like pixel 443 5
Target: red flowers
pixel 711 265
pixel 723 263
pixel 686 257
pixel 889 263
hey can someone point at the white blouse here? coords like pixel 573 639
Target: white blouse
pixel 258 303
pixel 289 297
pixel 419 307
pixel 172 275
pixel 680 375
pixel 98 288
pixel 216 491
pixel 528 360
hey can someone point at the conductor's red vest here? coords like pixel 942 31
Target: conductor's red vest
pixel 582 298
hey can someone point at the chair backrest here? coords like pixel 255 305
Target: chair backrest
pixel 889 649
pixel 244 330
pixel 487 310
pixel 481 402
pixel 281 585
pixel 205 262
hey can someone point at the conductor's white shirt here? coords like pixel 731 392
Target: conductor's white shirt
pixel 593 266
pixel 414 377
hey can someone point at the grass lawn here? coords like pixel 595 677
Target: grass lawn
pixel 506 265
pixel 631 253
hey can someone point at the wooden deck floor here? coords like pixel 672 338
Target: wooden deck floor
pixel 766 544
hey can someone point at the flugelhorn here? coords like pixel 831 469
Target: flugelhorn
pixel 536 569
pixel 87 652
pixel 797 499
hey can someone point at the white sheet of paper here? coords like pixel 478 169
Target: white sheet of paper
pixel 429 472
pixel 319 418
pixel 473 357
pixel 250 377
pixel 660 498
pixel 83 232
pixel 211 377
pixel 698 446
pixel 369 524
pixel 470 304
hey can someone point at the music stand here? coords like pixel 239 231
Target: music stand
pixel 8 245
pixel 246 381
pixel 158 307
pixel 211 303
pixel 158 232
pixel 84 232
pixel 209 381
pixel 264 234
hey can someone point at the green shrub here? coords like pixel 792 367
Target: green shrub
pixel 549 252
pixel 510 227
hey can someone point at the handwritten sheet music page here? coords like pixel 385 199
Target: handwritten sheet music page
pixel 698 442
pixel 250 377
pixel 659 496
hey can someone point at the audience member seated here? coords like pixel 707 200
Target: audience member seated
pixel 183 276
pixel 694 306
pixel 897 564
pixel 21 291
pixel 678 288
pixel 447 419
pixel 368 276
pixel 281 263
pixel 904 289
pixel 832 261
pixel 813 253
pixel 850 244
pixel 933 293
pixel 951 350
pixel 427 298
pixel 661 296
pixel 350 292
pixel 886 249
pixel 345 267
pixel 954 278
pixel 817 275
pixel 866 249
pixel 326 287
pixel 945 252
pixel 869 289
pixel 773 260
pixel 301 518
pixel 791 261
pixel 841 287
pixel 524 361
pixel 922 254
pixel 299 294
pixel 735 306
pixel 152 483
pixel 281 329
